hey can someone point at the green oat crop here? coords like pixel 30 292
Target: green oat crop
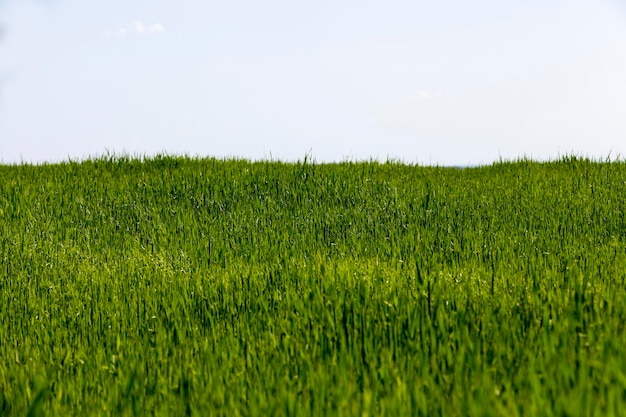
pixel 178 286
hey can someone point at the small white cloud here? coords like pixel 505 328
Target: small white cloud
pixel 425 95
pixel 147 30
pixel 136 27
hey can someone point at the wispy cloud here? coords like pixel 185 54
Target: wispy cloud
pixel 136 27
pixel 426 95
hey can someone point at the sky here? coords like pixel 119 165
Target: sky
pixel 449 82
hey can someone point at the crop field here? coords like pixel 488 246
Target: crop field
pixel 180 286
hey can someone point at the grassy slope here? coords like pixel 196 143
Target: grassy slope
pixel 177 286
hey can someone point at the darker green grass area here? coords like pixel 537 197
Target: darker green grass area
pixel 179 286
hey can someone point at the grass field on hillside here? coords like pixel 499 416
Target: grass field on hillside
pixel 177 286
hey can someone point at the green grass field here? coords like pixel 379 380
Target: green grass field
pixel 177 286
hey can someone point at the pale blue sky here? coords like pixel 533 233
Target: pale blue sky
pixel 449 82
